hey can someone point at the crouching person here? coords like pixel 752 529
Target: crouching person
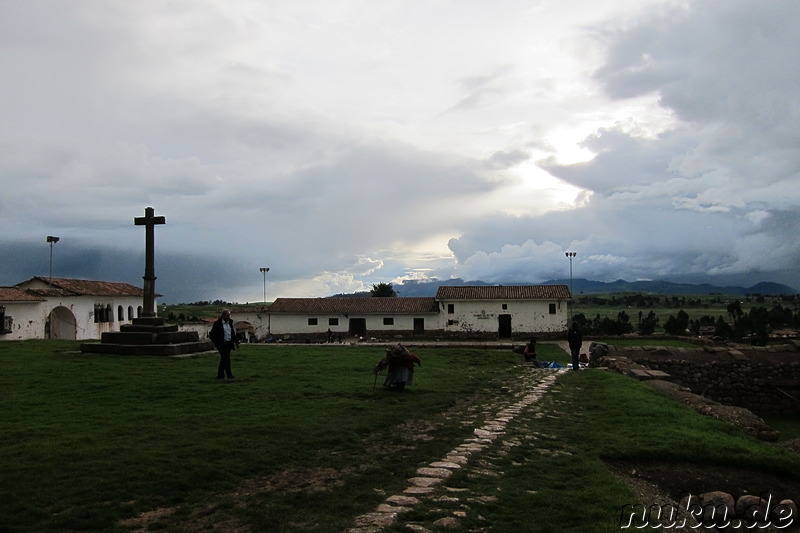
pixel 530 354
pixel 400 363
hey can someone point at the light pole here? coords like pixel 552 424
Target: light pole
pixel 264 271
pixel 570 255
pixel 52 240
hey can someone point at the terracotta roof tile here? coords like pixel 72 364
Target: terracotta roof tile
pixel 503 292
pixel 354 305
pixel 14 294
pixel 82 287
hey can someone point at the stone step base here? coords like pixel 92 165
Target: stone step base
pixel 181 348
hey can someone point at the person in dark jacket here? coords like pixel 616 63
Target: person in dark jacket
pixel 224 338
pixel 575 339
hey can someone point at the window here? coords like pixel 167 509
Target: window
pixel 312 321
pixel 120 313
pixel 103 313
pixel 505 307
pixel 552 309
pixel 6 322
pixel 451 308
pixel 333 321
pixel 388 321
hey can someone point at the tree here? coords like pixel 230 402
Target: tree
pixel 723 329
pixel 735 310
pixel 383 290
pixel 648 324
pixel 677 325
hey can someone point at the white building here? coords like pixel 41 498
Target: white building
pixel 352 316
pixel 504 311
pixel 66 308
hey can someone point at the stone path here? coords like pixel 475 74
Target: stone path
pixel 533 385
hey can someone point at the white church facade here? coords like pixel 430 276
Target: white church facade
pixel 65 308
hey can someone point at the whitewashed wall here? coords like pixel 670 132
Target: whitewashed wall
pixel 527 316
pixel 201 328
pixel 26 321
pixel 83 307
pixel 285 324
pixel 30 317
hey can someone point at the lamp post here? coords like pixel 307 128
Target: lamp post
pixel 51 240
pixel 570 255
pixel 264 271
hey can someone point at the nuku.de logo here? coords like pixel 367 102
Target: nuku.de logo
pixel 668 516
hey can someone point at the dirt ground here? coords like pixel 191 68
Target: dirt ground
pixel 676 481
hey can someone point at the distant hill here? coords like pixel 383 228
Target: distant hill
pixel 585 286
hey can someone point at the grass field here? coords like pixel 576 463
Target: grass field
pixel 696 306
pixel 91 441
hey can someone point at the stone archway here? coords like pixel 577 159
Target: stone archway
pixel 61 324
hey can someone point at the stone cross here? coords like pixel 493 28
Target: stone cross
pixel 149 221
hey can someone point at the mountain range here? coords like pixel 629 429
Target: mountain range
pixel 584 286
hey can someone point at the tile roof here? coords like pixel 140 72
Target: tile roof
pixel 503 292
pixel 354 305
pixel 14 294
pixel 81 287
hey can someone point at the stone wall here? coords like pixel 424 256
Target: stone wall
pixel 764 380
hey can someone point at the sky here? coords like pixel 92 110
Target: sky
pixel 344 143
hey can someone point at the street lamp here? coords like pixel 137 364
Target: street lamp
pixel 51 240
pixel 570 255
pixel 264 271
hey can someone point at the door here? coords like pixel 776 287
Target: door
pixel 504 326
pixel 419 326
pixel 61 324
pixel 358 326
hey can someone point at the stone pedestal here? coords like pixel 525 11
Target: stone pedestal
pixel 149 336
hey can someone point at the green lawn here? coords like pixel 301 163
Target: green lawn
pixel 301 441
pixel 88 440
pixel 714 306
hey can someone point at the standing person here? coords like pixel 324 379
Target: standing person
pixel 575 339
pixel 224 338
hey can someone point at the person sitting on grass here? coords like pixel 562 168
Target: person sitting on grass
pixel 529 353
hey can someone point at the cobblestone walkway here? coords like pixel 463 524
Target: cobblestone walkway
pixel 430 481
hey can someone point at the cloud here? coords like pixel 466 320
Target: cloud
pixel 715 192
pixel 344 144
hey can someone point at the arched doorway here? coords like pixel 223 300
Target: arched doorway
pixel 244 331
pixel 61 324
